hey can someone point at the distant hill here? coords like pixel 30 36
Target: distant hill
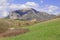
pixel 29 14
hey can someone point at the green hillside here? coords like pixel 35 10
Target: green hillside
pixel 49 30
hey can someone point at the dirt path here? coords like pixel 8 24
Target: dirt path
pixel 13 32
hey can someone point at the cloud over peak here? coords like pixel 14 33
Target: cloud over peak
pixel 26 5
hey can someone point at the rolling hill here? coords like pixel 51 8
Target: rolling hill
pixel 48 30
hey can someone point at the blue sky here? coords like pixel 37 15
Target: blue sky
pixel 49 6
pixel 50 2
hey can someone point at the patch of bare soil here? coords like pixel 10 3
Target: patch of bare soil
pixel 13 32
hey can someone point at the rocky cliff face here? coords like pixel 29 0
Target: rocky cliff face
pixel 30 13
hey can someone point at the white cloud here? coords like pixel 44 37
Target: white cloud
pixel 3 7
pixel 26 5
pixel 18 6
pixel 5 13
pixel 14 6
pixel 32 4
pixel 2 2
pixel 50 8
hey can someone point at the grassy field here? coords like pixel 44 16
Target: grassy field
pixel 49 30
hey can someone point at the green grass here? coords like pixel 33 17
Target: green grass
pixel 49 30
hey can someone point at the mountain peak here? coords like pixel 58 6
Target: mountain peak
pixel 30 13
